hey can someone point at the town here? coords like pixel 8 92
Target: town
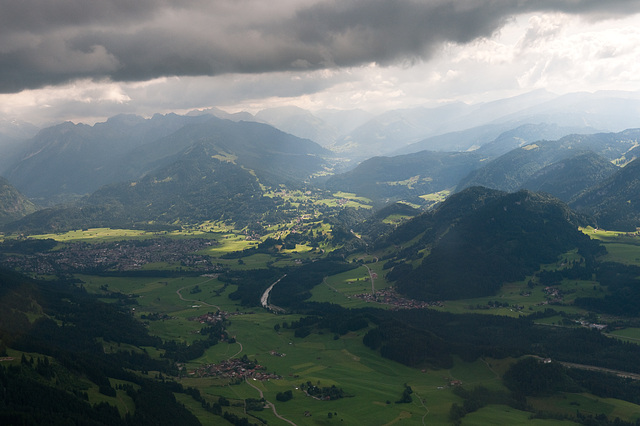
pixel 116 256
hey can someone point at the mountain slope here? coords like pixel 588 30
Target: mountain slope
pixel 479 239
pixel 386 179
pixel 276 157
pixel 615 203
pixel 299 122
pixel 567 178
pixel 510 171
pixel 493 139
pixel 70 160
pixel 196 187
pixel 13 205
pixel 407 176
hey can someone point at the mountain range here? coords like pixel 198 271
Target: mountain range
pixel 123 162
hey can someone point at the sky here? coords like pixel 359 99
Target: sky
pixel 86 60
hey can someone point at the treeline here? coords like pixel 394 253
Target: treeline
pixel 291 290
pixel 471 336
pixel 297 285
pixel 623 285
pixel 503 241
pixel 69 339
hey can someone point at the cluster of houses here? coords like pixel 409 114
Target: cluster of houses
pixel 388 296
pixel 116 256
pixel 233 369
pixel 554 295
pixel 214 317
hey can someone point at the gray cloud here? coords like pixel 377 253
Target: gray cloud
pixel 44 42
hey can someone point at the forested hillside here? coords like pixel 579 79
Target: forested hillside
pixel 488 243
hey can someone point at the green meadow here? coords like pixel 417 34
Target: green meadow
pixel 372 384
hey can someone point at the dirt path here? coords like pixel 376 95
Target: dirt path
pixel 207 304
pixel 237 353
pixel 373 288
pixel 195 300
pixel 273 407
pixel 423 406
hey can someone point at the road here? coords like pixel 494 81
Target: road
pixel 194 300
pixel 371 273
pixel 273 407
pixel 264 300
pixel 624 374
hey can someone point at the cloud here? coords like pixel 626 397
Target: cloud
pixel 51 42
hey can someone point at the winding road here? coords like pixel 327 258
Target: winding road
pixel 270 404
pixel 194 300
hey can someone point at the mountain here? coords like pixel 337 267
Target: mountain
pixel 13 205
pixel 479 239
pixel 276 157
pixel 386 179
pixel 614 203
pixel 567 178
pixel 299 122
pixel 217 112
pixel 13 134
pixel 209 171
pixel 408 176
pixel 510 171
pixel 459 126
pixel 528 133
pixel 344 121
pixel 390 131
pixel 196 187
pixel 70 160
pixel 611 111
pixel 494 139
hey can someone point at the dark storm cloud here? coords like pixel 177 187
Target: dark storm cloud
pixel 53 41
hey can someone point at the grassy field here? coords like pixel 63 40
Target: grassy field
pixel 504 415
pixel 630 334
pixel 373 384
pixel 568 403
pixel 111 234
pixel 621 247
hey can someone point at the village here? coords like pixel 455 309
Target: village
pixel 236 368
pixel 388 296
pixel 218 316
pixel 116 256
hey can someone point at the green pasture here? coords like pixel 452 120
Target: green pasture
pixel 370 380
pixel 160 295
pixel 436 196
pixel 505 415
pixel 630 334
pixel 608 236
pixel 352 196
pixel 569 403
pixel 395 219
pixel 111 234
pixel 255 261
pixel 627 254
pixel 342 288
pixel 121 401
pixel 228 243
pixel 97 234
